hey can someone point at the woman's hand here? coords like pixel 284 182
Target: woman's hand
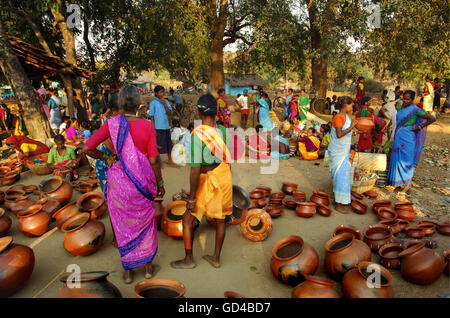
pixel 161 192
pixel 354 123
pixel 190 205
pixel 416 128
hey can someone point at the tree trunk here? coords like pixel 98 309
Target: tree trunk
pixel 30 106
pixel 217 77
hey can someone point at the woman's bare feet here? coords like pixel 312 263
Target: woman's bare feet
pixel 185 263
pixel 341 208
pixel 151 270
pixel 212 260
pixel 128 275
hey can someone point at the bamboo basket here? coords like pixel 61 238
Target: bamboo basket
pixel 38 169
pixel 363 186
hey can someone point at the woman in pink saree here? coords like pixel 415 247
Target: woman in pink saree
pixel 134 180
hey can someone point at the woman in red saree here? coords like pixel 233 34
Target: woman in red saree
pixel 365 139
pixel 27 147
pixel 222 108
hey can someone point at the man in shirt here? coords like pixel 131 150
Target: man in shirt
pixel 242 101
pixel 159 111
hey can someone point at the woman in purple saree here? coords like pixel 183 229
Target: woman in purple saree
pixel 134 180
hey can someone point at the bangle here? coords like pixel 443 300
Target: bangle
pixel 105 156
pixel 160 183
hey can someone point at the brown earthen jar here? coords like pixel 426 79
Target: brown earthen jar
pixel 257 225
pixel 358 206
pixel 5 223
pixel 56 188
pixel 66 212
pixel 389 255
pixel 320 197
pixel 91 285
pixel 306 209
pixel 33 221
pixel 315 287
pixel 289 187
pixel 344 228
pixel 92 202
pixel 378 235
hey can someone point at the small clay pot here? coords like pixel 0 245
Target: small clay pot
pixel 261 203
pixel 378 235
pixel 403 224
pixel 428 229
pixel 30 189
pixel 320 197
pixel 267 191
pixel 5 223
pixel 447 261
pixel 33 221
pixel 371 194
pixel 389 254
pixel 348 229
pixel 443 229
pixel 172 219
pixel 92 202
pixel 277 195
pixel 405 211
pixel 299 195
pixel 91 285
pixel 289 187
pixel 364 124
pixel 20 204
pixel 356 195
pixel 275 201
pixel 393 224
pixel 257 225
pixel 159 288
pixel 381 204
pixel 66 212
pixel 386 214
pixel 315 287
pixel 415 232
pixel 323 210
pixel 256 194
pixel 274 210
pixel 306 209
pixel 290 203
pixel 358 206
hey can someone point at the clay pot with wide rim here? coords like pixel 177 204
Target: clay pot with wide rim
pixel 344 228
pixel 267 191
pixel 306 209
pixel 159 288
pixel 257 225
pixel 299 195
pixel 421 265
pixel 389 255
pixel 241 199
pixel 172 219
pixel 364 124
pixel 290 203
pixel 371 194
pixel 377 235
pixel 289 187
pixel 358 206
pixel 443 228
pixel 405 211
pixel 274 210
pixel 92 202
pixel 277 195
pixel 356 195
pixel 91 285
pixel 66 212
pixel 16 266
pixel 320 197
pixel 292 259
pixel 83 236
pixel 14 192
pixel 56 188
pixel 323 210
pixel 20 204
pixel 261 203
pixel 393 224
pixel 447 261
pixel 415 232
pixel 33 221
pixel 315 287
pixel 5 223
pixel 386 214
pixel 381 204
pixel 428 229
pixel 256 194
pixel 355 282
pixel 343 253
pixel 403 224
pixel 159 211
pixel 50 206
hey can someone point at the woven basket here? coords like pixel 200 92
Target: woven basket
pixel 38 169
pixel 361 187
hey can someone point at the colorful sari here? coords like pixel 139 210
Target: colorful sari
pixel 309 155
pixel 303 107
pixel 101 169
pixel 275 154
pixel 429 98
pixel 287 109
pixel 215 189
pixel 365 139
pixel 264 115
pixel 131 191
pixel 222 104
pixel 67 166
pixel 339 152
pixel 408 146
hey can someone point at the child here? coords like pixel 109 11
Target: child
pixel 86 130
pixel 298 127
pixel 309 146
pixel 65 125
pixel 325 130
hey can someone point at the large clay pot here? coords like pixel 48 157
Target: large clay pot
pixel 348 229
pixel 315 287
pixel 83 236
pixel 378 235
pixel 306 209
pixel 5 223
pixel 91 285
pixel 358 206
pixel 56 188
pixel 389 255
pixel 421 265
pixel 394 225
pixel 92 202
pixel 33 221
pixel 257 225
pixel 159 211
pixel 292 259
pixel 172 219
pixel 159 288
pixel 16 266
pixel 66 212
pixel 364 124
pixel 20 204
pixel 344 252
pixel 289 187
pixel 355 282
pixel 320 197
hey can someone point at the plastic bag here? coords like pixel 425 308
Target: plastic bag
pixel 179 155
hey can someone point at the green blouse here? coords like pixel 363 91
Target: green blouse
pixel 198 150
pixel 55 157
pixel 413 119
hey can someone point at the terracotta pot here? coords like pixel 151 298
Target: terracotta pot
pixel 20 204
pixel 386 214
pixel 403 223
pixel 51 206
pixel 10 178
pixel 276 201
pixel 343 253
pixel 289 188
pixel 323 210
pixel 2 197
pixel 292 259
pixel 274 210
pixel 299 195
pixel 428 222
pixel 83 236
pixel 348 229
pixel 405 211
pixel 159 211
pixel 159 288
pixel 267 191
pixel 306 209
pixel 4 170
pixel 172 219
pixel 389 255
pixel 371 194
pixel 447 261
pixel 257 225
pixel 428 229
pixel 241 199
pixel 320 197
pixel 92 202
pixel 66 212
pixel 378 235
pixel 358 206
pixel 315 287
pixel 443 229
pixel 415 232
pixel 290 203
pixel 29 189
pixel 231 294
pixel 277 195
pixel 91 285
pixel 393 224
pixel 381 204
pixel 237 217
pixel 421 265
pixel 16 266
pixel 364 124
pixel 261 203
pixel 5 223
pixel 33 221
pixel 355 282
pixel 14 192
pixel 56 188
pixel 256 194
pixel 356 195
pixel 253 204
pixel 84 187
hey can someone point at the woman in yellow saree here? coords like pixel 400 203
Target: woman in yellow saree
pixel 211 184
pixel 309 146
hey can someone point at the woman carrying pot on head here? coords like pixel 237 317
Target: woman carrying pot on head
pixel 134 180
pixel 211 184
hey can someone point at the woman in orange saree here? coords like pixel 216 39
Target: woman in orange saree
pixel 309 146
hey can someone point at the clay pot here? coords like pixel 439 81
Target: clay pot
pixel 4 170
pixel 320 197
pixel 405 211
pixel 355 282
pixel 16 266
pixel 276 201
pixel 66 212
pixel 30 189
pixel 5 223
pixel 274 210
pixel 299 195
pixel 371 194
pixel 84 187
pixel 253 204
pixel 92 202
pixel 447 261
pixel 386 214
pixel 415 232
pixel 348 229
pixel 241 199
pixel 277 195
pixel 389 255
pixel 403 224
pixel 83 236
pixel 323 210
pixel 257 225
pixel 427 222
pixel 261 203
pixel 172 219
pixel 267 191
pixel 428 229
pixel 50 206
pixel 394 225
pixel 33 221
pixel 343 253
pixel 381 204
pixel 378 235
pixel 421 265
pixel 231 294
pixel 443 229
pixel 91 285
pixel 364 124
pixel 358 206
pixel 20 204
pixel 159 211
pixel 289 188
pixel 256 194
pixel 292 259
pixel 356 195
pixel 15 191
pixel 56 188
pixel 10 178
pixel 290 203
pixel 315 287
pixel 237 217
pixel 306 209
pixel 159 288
